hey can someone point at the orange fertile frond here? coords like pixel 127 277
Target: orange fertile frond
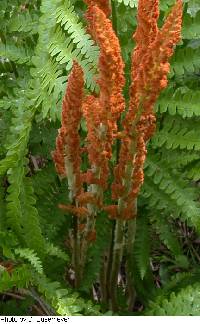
pixel 151 76
pixel 86 198
pixel 146 32
pixel 91 236
pixel 152 72
pixel 58 156
pixel 155 66
pixel 81 227
pixel 103 112
pixel 67 156
pixel 98 149
pixel 77 211
pixel 111 68
pixel 102 4
pixel 112 211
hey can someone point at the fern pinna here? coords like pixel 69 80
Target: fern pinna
pixel 149 69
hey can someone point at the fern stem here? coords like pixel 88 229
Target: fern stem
pixel 85 245
pixel 103 279
pixel 89 228
pixel 131 230
pixel 116 261
pixel 76 252
pixel 105 273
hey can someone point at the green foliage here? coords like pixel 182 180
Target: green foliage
pixel 20 278
pixel 18 307
pixel 142 245
pixel 131 3
pixel 64 302
pixel 31 257
pixel 96 252
pixel 181 101
pixel 62 38
pixel 185 303
pixel 177 133
pixel 191 28
pixel 166 234
pixel 56 252
pixel 165 187
pixel 186 60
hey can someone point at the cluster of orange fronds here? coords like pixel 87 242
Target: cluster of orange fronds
pixel 149 76
pixel 67 155
pixel 150 66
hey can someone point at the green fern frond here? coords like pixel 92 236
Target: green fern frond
pixel 179 158
pixel 62 48
pixel 51 102
pixel 166 233
pixel 69 20
pixel 32 233
pixel 193 172
pixel 2 205
pixel 22 216
pixel 50 193
pixel 178 281
pixel 50 73
pixel 131 3
pixel 63 300
pixel 14 216
pixel 193 7
pixel 63 52
pixel 8 241
pixel 53 250
pixel 191 26
pixel 178 133
pixel 16 54
pixel 23 22
pixel 42 59
pixel 185 60
pixel 166 4
pixel 184 303
pixel 19 278
pixel 31 257
pixel 5 120
pixel 182 101
pixel 5 66
pixel 18 138
pixel 97 250
pixel 167 190
pixel 58 45
pixel 158 199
